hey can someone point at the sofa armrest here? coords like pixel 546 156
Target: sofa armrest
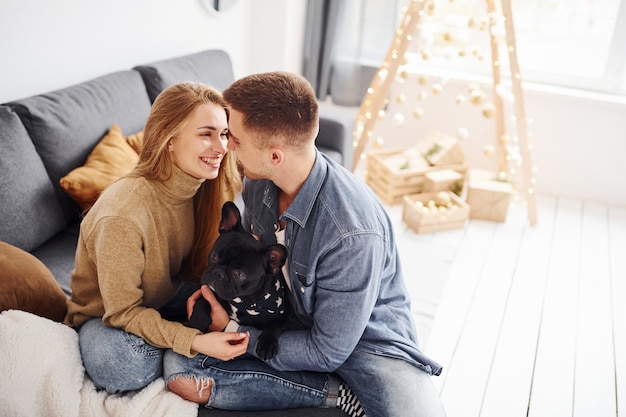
pixel 335 136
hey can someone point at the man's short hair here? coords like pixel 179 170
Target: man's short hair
pixel 278 107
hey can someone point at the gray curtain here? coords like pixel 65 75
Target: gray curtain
pixel 342 51
pixel 319 39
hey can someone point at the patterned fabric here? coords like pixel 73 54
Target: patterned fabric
pixel 348 402
pixel 270 305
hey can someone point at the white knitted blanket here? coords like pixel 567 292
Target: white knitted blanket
pixel 41 374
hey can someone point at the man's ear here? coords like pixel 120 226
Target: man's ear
pixel 231 218
pixel 277 156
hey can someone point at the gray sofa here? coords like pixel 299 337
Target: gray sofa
pixel 46 136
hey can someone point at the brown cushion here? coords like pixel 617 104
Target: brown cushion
pixel 28 285
pixel 111 159
pixel 135 141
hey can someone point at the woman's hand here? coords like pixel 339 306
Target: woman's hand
pixel 221 345
pixel 219 316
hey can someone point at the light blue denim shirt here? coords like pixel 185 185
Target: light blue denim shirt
pixel 346 277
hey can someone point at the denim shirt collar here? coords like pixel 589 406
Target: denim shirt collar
pixel 300 208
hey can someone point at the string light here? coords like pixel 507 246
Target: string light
pixel 448 40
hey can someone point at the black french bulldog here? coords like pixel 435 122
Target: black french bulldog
pixel 246 277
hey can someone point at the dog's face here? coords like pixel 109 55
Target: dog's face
pixel 240 265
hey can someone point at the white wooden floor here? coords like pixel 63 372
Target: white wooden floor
pixel 526 321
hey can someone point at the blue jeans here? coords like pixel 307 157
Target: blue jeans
pixel 385 386
pixel 391 387
pixel 118 361
pixel 247 383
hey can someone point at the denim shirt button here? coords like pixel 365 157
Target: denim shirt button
pixel 302 290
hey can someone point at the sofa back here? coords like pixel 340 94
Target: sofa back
pixel 212 67
pixel 30 210
pixel 66 124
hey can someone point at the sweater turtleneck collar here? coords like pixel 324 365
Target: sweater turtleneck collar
pixel 180 186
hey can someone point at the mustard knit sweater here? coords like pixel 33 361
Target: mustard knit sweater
pixel 132 242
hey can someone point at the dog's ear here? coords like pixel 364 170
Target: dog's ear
pixel 231 218
pixel 275 257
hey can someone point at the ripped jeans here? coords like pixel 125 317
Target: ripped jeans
pixel 386 387
pixel 118 361
pixel 247 383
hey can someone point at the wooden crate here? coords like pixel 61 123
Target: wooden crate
pixel 420 221
pixel 443 180
pixel 488 197
pixel 392 185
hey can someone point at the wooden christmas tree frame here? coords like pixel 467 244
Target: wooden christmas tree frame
pixel 377 94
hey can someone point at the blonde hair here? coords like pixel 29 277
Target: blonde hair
pixel 276 105
pixel 170 112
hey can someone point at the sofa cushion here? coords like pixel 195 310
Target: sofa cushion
pixel 335 137
pixel 28 285
pixel 58 254
pixel 212 67
pixel 135 141
pixel 29 208
pixel 112 158
pixel 66 124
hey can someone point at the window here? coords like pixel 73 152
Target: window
pixel 569 43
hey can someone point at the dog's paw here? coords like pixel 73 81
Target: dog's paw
pixel 267 346
pixel 201 316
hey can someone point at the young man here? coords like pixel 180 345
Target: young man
pixel 343 267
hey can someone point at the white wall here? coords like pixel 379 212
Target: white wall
pixel 46 45
pixel 277 32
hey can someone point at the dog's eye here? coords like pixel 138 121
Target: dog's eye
pixel 239 274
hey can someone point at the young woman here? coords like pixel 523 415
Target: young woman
pixel 145 242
